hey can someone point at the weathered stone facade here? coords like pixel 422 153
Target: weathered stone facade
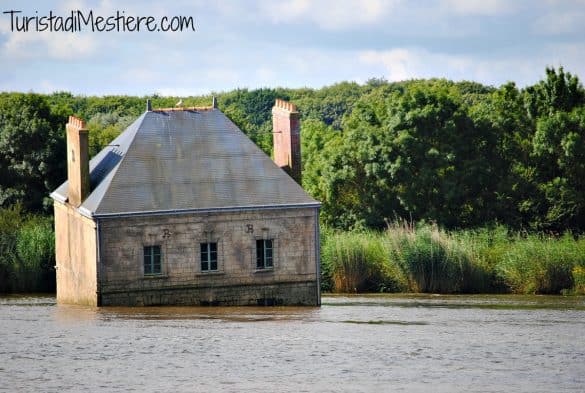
pixel 292 280
pixel 117 278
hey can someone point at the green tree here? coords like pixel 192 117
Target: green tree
pixel 315 140
pixel 560 91
pixel 502 116
pixel 556 107
pixel 251 111
pixel 441 172
pixel 559 147
pixel 353 184
pixel 104 127
pixel 32 150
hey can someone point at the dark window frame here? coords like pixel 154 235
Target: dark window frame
pixel 152 260
pixel 264 254
pixel 207 262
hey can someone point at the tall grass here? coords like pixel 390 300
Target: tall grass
pixel 359 262
pixel 27 249
pixel 579 279
pixel 426 258
pixel 541 264
pixel 431 262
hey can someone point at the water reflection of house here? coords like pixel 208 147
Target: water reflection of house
pixel 182 208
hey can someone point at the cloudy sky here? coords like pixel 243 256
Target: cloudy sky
pixel 293 43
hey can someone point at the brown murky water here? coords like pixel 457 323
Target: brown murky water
pixel 352 344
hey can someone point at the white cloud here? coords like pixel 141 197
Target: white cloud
pixel 413 63
pixel 569 55
pixel 267 75
pixel 328 14
pixel 399 63
pixel 142 75
pixel 182 91
pixel 480 7
pixel 408 63
pixel 71 5
pixel 48 87
pixel 560 23
pixel 224 74
pixel 59 46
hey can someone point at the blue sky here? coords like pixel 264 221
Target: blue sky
pixel 294 43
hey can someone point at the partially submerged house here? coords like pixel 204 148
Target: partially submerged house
pixel 183 208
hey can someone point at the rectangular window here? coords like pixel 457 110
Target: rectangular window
pixel 264 250
pixel 152 260
pixel 208 257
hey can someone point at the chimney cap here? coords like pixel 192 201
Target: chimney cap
pixel 76 122
pixel 287 106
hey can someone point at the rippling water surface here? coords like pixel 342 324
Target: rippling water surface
pixel 353 344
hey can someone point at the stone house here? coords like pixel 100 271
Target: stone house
pixel 183 209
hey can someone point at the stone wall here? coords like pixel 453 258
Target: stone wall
pixel 292 280
pixel 296 293
pixel 75 255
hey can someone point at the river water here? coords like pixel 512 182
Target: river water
pixel 353 344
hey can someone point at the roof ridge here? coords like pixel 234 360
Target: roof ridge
pixel 187 108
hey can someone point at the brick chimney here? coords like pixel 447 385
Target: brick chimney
pixel 77 161
pixel 286 124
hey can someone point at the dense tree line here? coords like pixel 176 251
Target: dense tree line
pixel 460 154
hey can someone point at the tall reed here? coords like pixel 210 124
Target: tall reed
pixel 425 258
pixel 541 264
pixel 27 249
pixel 359 262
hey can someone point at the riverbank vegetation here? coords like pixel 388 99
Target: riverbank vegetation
pixel 425 258
pixel 27 251
pixel 500 171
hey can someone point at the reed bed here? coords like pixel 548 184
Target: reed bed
pixel 27 252
pixel 425 258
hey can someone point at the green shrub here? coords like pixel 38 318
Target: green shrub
pixel 359 262
pixel 10 221
pixel 35 249
pixel 27 249
pixel 579 279
pixel 326 274
pixel 483 249
pixel 431 260
pixel 542 265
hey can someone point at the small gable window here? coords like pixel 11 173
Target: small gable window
pixel 152 260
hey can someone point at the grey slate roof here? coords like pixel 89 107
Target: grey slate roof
pixel 182 161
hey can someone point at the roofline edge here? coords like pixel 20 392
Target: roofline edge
pixel 208 210
pixel 57 197
pixel 63 201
